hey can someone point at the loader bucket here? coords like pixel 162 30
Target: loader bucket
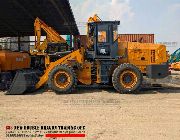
pixel 24 81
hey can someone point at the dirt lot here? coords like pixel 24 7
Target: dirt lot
pixel 148 115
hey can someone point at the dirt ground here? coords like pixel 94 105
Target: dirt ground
pixel 153 113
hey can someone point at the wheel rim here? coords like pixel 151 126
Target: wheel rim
pixel 62 79
pixel 128 79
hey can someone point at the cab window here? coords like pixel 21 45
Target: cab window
pixel 115 33
pixel 102 36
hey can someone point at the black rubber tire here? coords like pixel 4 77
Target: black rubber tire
pixel 116 78
pixel 73 79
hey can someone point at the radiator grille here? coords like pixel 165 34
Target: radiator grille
pixel 153 57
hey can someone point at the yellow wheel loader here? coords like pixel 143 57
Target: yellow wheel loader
pixel 175 66
pixel 104 62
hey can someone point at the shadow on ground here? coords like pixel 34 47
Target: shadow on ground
pixel 110 90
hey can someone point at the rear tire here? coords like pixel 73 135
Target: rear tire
pixel 62 79
pixel 127 78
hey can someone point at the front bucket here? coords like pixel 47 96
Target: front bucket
pixel 24 81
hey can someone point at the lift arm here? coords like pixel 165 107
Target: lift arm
pixel 77 56
pixel 95 18
pixel 52 36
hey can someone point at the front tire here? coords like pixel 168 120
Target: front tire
pixel 127 78
pixel 62 79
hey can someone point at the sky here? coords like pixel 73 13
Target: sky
pixel 160 17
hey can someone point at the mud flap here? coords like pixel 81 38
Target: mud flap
pixel 24 81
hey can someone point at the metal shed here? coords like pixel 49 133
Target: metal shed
pixel 17 17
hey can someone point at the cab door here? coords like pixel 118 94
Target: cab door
pixel 103 40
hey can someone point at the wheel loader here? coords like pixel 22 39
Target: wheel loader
pixel 104 62
pixel 10 62
pixel 174 60
pixel 23 66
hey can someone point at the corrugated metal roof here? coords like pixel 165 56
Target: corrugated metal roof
pixel 17 16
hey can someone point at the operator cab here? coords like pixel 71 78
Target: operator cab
pixel 102 40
